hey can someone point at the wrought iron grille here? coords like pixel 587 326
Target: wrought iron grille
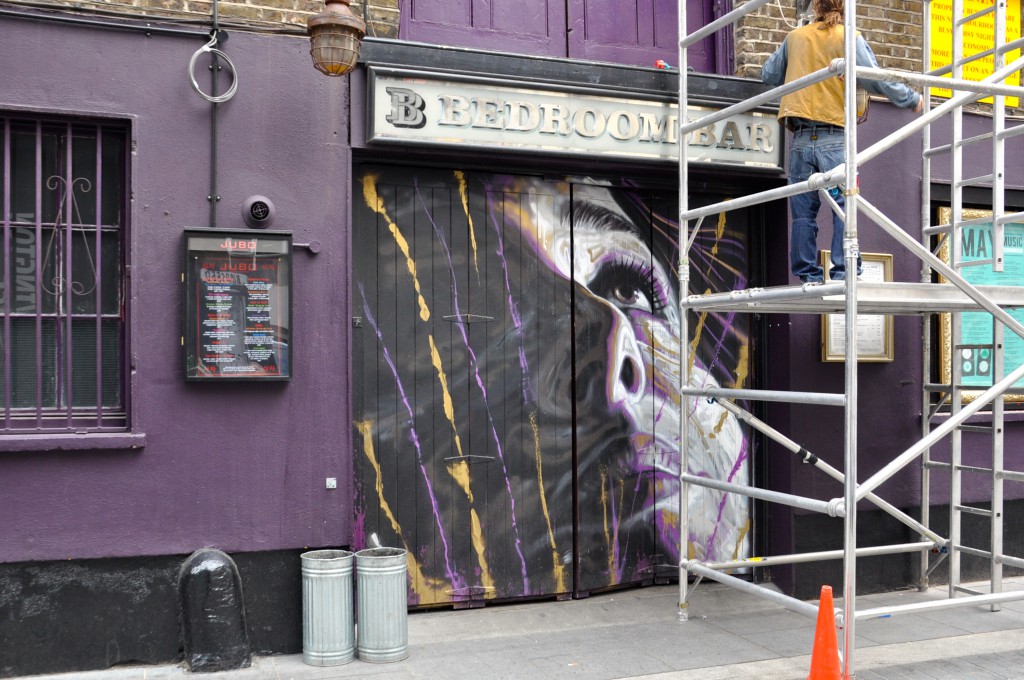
pixel 62 280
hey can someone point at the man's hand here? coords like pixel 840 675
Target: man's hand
pixel 920 105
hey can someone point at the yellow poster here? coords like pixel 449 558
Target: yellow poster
pixel 978 36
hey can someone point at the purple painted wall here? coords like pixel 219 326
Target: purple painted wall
pixel 978 157
pixel 242 467
pixel 889 403
pixel 236 466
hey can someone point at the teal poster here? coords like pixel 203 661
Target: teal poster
pixel 975 350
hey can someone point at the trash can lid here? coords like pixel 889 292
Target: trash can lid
pixel 320 555
pixel 381 552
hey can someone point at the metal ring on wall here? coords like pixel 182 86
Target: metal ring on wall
pixel 209 48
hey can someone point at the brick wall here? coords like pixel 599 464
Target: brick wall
pixel 381 15
pixel 892 27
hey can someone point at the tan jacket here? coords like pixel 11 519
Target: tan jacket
pixel 811 49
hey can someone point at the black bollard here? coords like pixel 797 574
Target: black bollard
pixel 212 613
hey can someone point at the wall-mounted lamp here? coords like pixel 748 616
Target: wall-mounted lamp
pixel 334 37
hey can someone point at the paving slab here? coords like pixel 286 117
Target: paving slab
pixel 730 635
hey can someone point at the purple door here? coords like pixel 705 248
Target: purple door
pixel 535 27
pixel 637 32
pixel 630 32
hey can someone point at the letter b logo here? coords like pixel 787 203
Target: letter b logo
pixel 406 108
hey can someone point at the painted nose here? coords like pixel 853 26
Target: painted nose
pixel 626 378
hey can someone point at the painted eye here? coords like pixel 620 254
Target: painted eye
pixel 629 296
pixel 628 286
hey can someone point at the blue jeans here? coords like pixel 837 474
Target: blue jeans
pixel 814 150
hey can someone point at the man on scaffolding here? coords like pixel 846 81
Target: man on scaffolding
pixel 815 115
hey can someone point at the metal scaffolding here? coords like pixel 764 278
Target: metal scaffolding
pixel 954 295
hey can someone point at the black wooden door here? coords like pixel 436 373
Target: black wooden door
pixel 459 462
pixel 516 419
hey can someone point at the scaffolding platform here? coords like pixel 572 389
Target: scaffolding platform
pixel 905 299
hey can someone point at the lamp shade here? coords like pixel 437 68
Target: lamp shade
pixel 334 37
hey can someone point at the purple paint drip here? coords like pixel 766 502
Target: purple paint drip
pixel 480 384
pixel 512 307
pixel 455 579
pixel 720 340
pixel 721 504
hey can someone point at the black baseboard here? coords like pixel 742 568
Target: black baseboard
pixel 83 615
pixel 895 572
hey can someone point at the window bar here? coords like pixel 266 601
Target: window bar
pixel 123 223
pixel 7 273
pixel 39 273
pixel 69 178
pixel 98 273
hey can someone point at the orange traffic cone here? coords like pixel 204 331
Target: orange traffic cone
pixel 825 655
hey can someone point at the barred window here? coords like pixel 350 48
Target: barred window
pixel 62 281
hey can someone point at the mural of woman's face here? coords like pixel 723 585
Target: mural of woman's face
pixel 526 365
pixel 612 257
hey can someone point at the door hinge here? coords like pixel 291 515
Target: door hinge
pixel 469 318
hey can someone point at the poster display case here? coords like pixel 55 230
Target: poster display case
pixel 874 331
pixel 238 305
pixel 975 350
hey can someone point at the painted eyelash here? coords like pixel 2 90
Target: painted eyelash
pixel 655 290
pixel 646 274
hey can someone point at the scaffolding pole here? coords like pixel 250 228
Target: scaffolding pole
pixel 683 274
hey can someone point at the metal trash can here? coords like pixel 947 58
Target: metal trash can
pixel 382 609
pixel 328 628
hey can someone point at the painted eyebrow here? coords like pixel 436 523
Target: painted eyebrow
pixel 602 218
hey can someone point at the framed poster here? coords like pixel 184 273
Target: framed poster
pixel 238 305
pixel 978 36
pixel 874 331
pixel 975 351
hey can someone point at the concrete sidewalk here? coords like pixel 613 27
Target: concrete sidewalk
pixel 636 634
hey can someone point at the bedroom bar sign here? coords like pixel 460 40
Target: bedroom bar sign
pixel 237 305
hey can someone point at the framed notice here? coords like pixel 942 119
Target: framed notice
pixel 238 305
pixel 874 331
pixel 975 349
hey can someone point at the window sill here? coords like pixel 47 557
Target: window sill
pixel 72 442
